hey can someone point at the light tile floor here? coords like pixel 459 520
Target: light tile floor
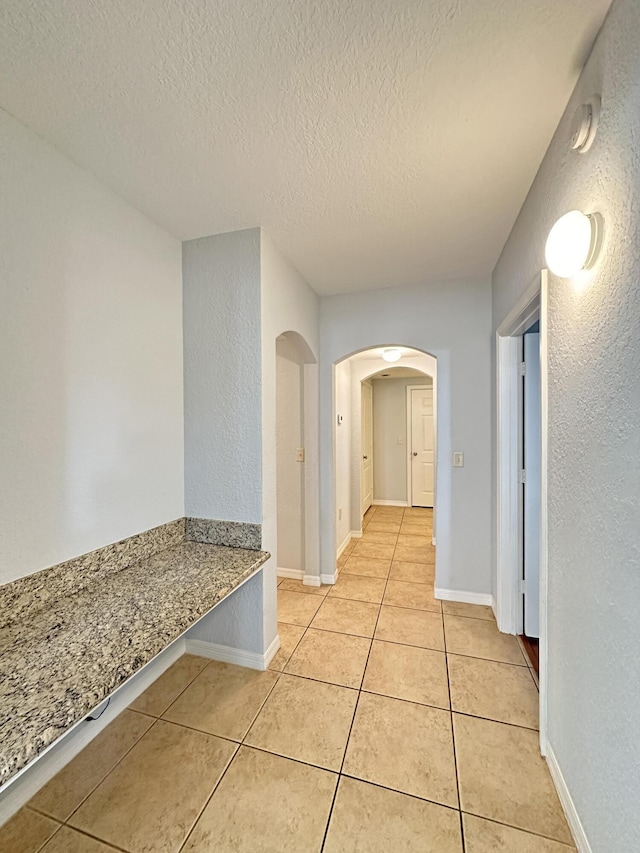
pixel 387 721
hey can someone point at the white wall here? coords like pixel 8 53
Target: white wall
pixel 452 321
pixel 289 437
pixel 222 377
pixel 594 442
pixel 91 443
pixel 389 425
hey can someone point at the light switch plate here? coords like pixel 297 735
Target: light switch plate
pixel 458 459
pixel 300 454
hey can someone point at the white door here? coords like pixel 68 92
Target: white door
pixel 422 447
pixel 531 464
pixel 366 433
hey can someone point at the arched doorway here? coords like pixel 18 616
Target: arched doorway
pixel 355 376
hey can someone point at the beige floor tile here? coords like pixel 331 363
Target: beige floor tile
pixel 408 672
pixel 383 526
pixel 359 588
pixel 485 836
pixel 414 627
pixel 416 528
pixel 306 720
pixel 153 797
pixel 389 741
pixel 69 841
pixel 327 656
pixel 502 776
pixel 417 595
pixel 347 617
pixel 290 636
pixel 379 538
pixel 414 554
pixel 416 540
pixel 265 804
pixel 26 832
pixel 372 819
pixel 393 511
pixel 472 611
pixel 373 549
pixel 223 700
pixel 481 639
pixel 297 608
pixel 367 566
pixel 418 512
pixel 166 689
pixel 498 691
pixel 291 585
pixel 63 794
pixel 413 572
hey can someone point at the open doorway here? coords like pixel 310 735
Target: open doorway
pixel 384 448
pixel 295 455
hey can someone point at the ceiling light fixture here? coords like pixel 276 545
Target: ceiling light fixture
pixel 585 125
pixel 392 354
pixel 574 243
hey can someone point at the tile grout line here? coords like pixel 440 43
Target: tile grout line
pixel 355 711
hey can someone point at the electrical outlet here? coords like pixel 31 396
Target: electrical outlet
pixel 300 454
pixel 458 459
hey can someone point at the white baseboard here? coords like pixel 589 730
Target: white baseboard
pixel 28 782
pixel 329 578
pixel 228 654
pixel 356 534
pixel 295 574
pixel 311 580
pixel 390 503
pixel 464 597
pixel 433 541
pixel 343 545
pixel 571 813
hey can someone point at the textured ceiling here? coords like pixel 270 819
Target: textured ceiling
pixel 379 142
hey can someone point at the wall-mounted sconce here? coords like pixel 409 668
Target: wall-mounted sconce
pixel 585 125
pixel 574 243
pixel 392 354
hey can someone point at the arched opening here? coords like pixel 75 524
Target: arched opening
pixel 385 455
pixel 296 457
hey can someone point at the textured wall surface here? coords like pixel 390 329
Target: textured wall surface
pixel 222 377
pixel 594 443
pixel 91 352
pixel 452 321
pixel 413 127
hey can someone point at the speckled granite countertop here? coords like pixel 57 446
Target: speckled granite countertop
pixel 65 659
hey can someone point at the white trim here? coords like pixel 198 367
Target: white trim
pixel 464 597
pixel 344 544
pixel 356 534
pixel 28 781
pixel 534 303
pixel 570 811
pixel 433 541
pixel 326 578
pixel 295 574
pixel 390 503
pixel 227 654
pixel 311 580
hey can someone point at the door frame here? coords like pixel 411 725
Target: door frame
pixel 508 511
pixel 409 389
pixel 368 384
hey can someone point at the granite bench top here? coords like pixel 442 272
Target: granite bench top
pixel 58 664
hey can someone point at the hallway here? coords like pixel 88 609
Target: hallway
pixel 386 721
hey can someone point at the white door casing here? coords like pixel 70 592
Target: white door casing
pixel 366 476
pixel 531 504
pixel 422 446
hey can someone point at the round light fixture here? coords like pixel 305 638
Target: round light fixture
pixel 392 354
pixel 573 243
pixel 584 125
